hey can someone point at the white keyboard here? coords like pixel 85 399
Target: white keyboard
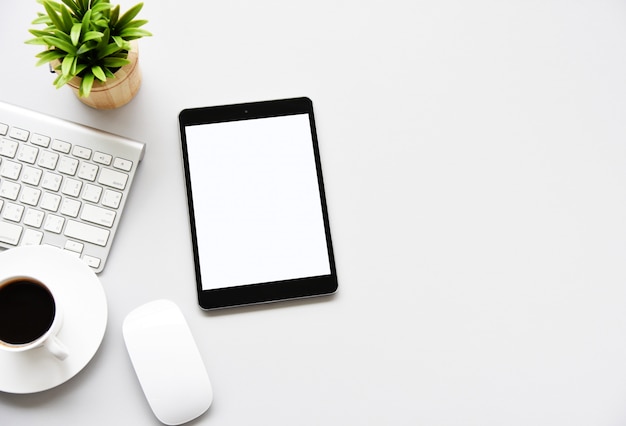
pixel 62 184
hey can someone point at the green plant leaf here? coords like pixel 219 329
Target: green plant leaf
pixel 108 50
pixel 39 33
pixel 76 8
pixel 48 55
pixel 61 80
pixel 68 64
pixel 137 23
pixel 98 73
pixel 86 84
pixel 67 19
pixel 119 41
pixel 61 44
pixel 112 62
pixel 85 23
pixel 80 68
pixel 107 13
pixel 93 35
pixel 55 5
pixel 134 33
pixel 61 35
pixel 104 40
pixel 128 16
pixel 73 6
pixel 101 7
pixel 52 13
pixel 42 19
pixel 37 41
pixel 75 33
pixel 115 14
pixel 84 48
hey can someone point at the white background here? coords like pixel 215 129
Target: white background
pixel 474 157
pixel 256 200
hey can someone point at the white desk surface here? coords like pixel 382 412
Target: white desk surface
pixel 474 156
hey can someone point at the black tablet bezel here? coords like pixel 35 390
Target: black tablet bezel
pixel 268 291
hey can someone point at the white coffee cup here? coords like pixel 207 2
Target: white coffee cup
pixel 30 316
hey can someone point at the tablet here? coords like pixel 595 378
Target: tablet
pixel 257 210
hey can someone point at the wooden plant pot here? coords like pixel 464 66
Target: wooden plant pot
pixel 115 92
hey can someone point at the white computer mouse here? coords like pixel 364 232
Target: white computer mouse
pixel 167 362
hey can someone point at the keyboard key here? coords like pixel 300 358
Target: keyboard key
pixel 48 160
pixel 9 190
pixel 30 196
pixel 74 246
pixel 19 134
pixel 102 158
pixel 72 187
pixel 8 148
pixel 92 193
pixel 51 181
pixel 10 233
pixel 3 129
pixel 61 146
pixel 122 164
pixel 81 152
pixel 112 198
pixel 33 218
pixel 10 169
pixel 88 171
pixel 40 140
pixel 50 202
pixel 88 233
pixel 32 237
pixel 68 166
pixel 31 175
pixel 13 212
pixel 92 261
pixel 98 215
pixel 113 179
pixel 28 154
pixel 54 223
pixel 70 207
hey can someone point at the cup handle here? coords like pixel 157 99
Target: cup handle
pixel 56 348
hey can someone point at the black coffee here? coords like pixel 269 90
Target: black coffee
pixel 26 311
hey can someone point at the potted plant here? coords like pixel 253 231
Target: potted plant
pixel 92 48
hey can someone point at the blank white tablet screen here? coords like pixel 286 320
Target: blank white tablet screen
pixel 256 199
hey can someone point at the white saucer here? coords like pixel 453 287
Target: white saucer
pixel 84 318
